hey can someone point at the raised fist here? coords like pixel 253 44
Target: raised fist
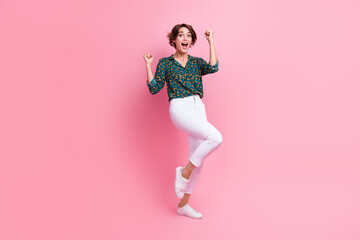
pixel 148 58
pixel 209 34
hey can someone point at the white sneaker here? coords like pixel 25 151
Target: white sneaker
pixel 188 211
pixel 180 183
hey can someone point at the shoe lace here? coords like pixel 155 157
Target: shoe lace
pixel 193 209
pixel 183 187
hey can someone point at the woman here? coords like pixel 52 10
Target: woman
pixel 183 76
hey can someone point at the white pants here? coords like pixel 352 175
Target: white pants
pixel 188 115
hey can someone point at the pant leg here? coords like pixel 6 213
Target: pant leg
pixel 187 116
pixel 193 144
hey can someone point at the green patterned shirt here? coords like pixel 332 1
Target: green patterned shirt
pixel 181 81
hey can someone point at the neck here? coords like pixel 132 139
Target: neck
pixel 180 55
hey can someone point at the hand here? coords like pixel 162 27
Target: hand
pixel 148 58
pixel 209 34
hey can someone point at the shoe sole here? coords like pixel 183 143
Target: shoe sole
pixel 188 216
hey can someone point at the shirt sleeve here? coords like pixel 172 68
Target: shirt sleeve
pixel 206 68
pixel 158 82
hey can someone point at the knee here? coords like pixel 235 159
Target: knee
pixel 216 138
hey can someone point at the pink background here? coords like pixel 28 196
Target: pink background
pixel 88 153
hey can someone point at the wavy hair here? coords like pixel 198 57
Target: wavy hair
pixel 175 31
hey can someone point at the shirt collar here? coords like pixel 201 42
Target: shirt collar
pixel 189 57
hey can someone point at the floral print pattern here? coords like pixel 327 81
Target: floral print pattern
pixel 181 81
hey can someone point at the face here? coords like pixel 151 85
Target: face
pixel 184 36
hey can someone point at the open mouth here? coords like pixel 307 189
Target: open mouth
pixel 184 45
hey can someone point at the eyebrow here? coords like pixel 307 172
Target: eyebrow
pixel 183 31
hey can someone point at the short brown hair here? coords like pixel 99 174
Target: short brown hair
pixel 175 31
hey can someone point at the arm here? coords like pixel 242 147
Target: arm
pixel 155 84
pixel 213 66
pixel 206 68
pixel 213 57
pixel 150 75
pixel 209 36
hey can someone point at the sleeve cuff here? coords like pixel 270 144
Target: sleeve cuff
pixel 216 64
pixel 149 84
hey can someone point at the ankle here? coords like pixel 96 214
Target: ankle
pixel 185 173
pixel 181 205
